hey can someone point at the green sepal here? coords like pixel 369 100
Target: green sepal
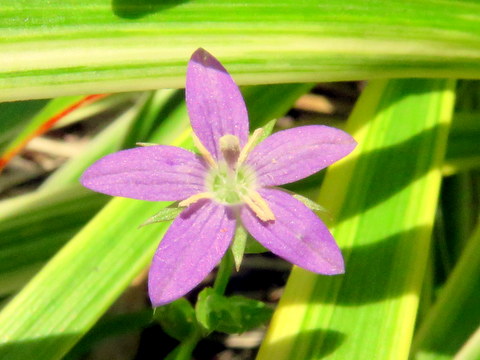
pixel 267 130
pixel 312 205
pixel 166 214
pixel 177 319
pixel 231 315
pixel 238 245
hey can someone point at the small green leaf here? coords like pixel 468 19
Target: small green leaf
pixel 231 315
pixel 166 214
pixel 238 245
pixel 177 319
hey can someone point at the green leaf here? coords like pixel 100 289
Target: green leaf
pixel 14 116
pixel 383 197
pixel 35 226
pixel 177 319
pixel 231 315
pixel 456 314
pixel 463 152
pixel 471 349
pixel 129 46
pixel 108 327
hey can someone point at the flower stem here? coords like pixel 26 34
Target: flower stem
pixel 186 347
pixel 223 275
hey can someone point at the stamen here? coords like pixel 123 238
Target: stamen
pixel 252 141
pixel 262 203
pixel 230 148
pixel 194 198
pixel 203 151
pixel 259 206
pixel 255 208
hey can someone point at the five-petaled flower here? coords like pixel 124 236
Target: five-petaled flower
pixel 231 183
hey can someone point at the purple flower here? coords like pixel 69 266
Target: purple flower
pixel 232 183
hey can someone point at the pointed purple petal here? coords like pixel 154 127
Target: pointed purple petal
pixel 154 173
pixel 192 246
pixel 296 235
pixel 293 154
pixel 215 104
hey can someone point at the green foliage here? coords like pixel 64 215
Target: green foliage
pixel 177 319
pixel 144 45
pixel 383 200
pixel 85 249
pixel 231 315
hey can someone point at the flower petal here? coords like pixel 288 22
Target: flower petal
pixel 215 104
pixel 296 235
pixel 154 173
pixel 293 154
pixel 192 246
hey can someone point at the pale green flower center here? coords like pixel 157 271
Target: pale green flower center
pixel 230 186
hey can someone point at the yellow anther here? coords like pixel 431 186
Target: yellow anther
pixel 259 206
pixel 194 198
pixel 203 151
pixel 252 141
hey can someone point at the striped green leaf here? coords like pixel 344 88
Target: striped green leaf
pixel 463 152
pixel 456 314
pixel 14 116
pixel 58 47
pixel 33 227
pixel 383 197
pixel 471 349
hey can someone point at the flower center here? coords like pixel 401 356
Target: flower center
pixel 230 186
pixel 229 181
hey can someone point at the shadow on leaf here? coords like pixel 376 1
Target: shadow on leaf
pixel 134 9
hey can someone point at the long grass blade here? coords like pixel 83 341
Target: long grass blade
pixel 456 313
pixel 58 47
pixel 383 197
